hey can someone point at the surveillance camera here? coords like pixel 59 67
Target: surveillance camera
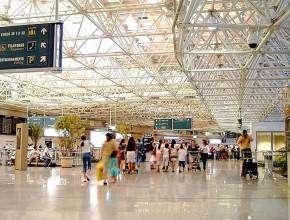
pixel 252 40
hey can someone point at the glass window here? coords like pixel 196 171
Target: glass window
pixel 263 143
pixel 278 140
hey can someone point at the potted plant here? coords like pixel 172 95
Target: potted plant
pixel 69 127
pixel 35 133
pixel 124 129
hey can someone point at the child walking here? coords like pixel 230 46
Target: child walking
pixel 114 167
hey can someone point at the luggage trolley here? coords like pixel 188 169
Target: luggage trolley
pixel 193 161
pixel 249 166
pixel 126 168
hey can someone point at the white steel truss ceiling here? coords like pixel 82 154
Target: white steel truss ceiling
pixel 119 59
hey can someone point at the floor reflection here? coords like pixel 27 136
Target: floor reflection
pixel 218 193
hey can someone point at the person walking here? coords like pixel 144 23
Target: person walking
pixel 218 152
pixel 87 158
pixel 131 155
pixel 122 148
pixel 245 142
pixel 204 153
pixel 181 158
pixel 166 155
pixel 108 147
pixel 173 154
pixel 140 152
pixel 152 152
pixel 159 155
pixel 114 167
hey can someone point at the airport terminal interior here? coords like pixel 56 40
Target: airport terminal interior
pixel 145 109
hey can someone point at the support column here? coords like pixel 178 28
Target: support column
pixel 21 146
pixel 286 102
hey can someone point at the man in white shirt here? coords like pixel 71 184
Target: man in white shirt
pixel 34 155
pixel 46 156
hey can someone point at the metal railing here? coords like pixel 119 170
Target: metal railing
pixel 5 155
pixel 273 161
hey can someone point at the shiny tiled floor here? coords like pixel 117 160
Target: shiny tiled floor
pixel 218 193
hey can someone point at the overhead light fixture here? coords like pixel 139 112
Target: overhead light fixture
pixel 212 21
pixel 252 40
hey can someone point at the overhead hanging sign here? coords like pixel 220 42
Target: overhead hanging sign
pixel 163 124
pixel 50 121
pixel 30 46
pixel 182 124
pixel 173 124
pixel 36 120
pixel 229 134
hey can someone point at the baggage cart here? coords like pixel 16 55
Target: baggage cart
pixel 249 166
pixel 193 161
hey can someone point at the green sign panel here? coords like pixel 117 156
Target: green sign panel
pixel 163 124
pixel 50 121
pixel 229 134
pixel 47 121
pixel 27 46
pixel 182 124
pixel 36 120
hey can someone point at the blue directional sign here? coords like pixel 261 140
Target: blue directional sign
pixel 27 46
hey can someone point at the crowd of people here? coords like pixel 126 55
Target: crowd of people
pixel 166 154
pixel 163 155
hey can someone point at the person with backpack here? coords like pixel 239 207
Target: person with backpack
pixel 140 152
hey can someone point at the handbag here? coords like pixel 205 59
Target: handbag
pixel 100 168
pixel 152 159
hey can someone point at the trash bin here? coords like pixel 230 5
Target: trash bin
pixel 268 157
pixel 4 160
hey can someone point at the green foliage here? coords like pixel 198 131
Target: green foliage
pixel 282 162
pixel 70 127
pixel 36 133
pixel 124 128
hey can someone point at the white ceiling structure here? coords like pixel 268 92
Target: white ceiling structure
pixel 136 60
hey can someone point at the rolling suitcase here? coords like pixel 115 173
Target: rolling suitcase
pixel 250 168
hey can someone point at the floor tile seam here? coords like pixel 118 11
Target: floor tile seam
pixel 203 198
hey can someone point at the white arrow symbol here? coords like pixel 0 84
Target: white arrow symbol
pixel 43 59
pixel 43 45
pixel 43 31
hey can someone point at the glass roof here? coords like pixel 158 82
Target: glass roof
pixel 158 59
